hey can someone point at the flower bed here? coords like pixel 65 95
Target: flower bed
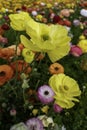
pixel 43 66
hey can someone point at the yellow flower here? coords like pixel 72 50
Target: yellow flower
pixel 39 17
pixel 49 5
pixel 46 120
pixel 18 20
pixel 66 89
pixel 83 45
pixel 35 111
pixel 45 109
pixel 52 39
pixel 28 55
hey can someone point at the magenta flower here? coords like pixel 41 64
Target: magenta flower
pixel 45 94
pixel 57 108
pixel 75 50
pixel 34 124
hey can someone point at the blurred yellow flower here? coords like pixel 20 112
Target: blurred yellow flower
pixel 35 111
pixel 83 45
pixel 39 17
pixel 28 55
pixel 66 89
pixel 45 109
pixel 18 20
pixel 52 39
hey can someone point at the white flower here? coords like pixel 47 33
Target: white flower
pixel 83 12
pixel 34 13
pixel 19 126
pixel 46 120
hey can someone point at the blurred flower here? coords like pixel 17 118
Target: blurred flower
pixel 12 112
pixel 19 126
pixel 83 12
pixel 56 19
pixel 18 20
pixel 76 22
pixel 5 26
pixel 45 109
pixel 45 94
pixel 57 108
pixel 65 89
pixel 83 45
pixel 75 50
pixel 46 38
pixel 28 55
pixel 65 12
pixel 46 120
pixel 34 13
pixel 82 37
pixel 85 32
pixel 34 124
pixel 35 111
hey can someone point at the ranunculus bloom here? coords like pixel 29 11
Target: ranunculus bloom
pixel 18 20
pixel 52 39
pixel 6 73
pixel 75 50
pixel 28 55
pixel 83 45
pixel 66 89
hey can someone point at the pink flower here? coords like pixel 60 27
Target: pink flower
pixel 57 108
pixel 65 12
pixel 75 50
pixel 45 94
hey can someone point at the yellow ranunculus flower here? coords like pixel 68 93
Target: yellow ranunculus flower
pixel 28 55
pixel 83 45
pixel 18 20
pixel 52 39
pixel 66 89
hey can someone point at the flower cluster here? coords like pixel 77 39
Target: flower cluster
pixel 43 65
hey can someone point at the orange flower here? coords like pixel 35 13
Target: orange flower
pixel 9 52
pixel 6 73
pixel 56 68
pixel 20 66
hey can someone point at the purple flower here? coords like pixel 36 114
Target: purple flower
pixel 45 94
pixel 57 108
pixel 76 22
pixel 34 124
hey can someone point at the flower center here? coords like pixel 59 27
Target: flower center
pixel 66 88
pixel 2 73
pixel 46 93
pixel 45 37
pixel 56 68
